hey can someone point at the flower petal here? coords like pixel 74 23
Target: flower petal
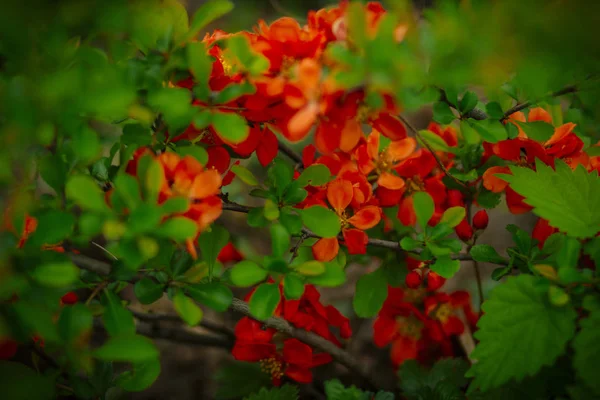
pixel 326 249
pixel 339 194
pixel 390 181
pixel 366 218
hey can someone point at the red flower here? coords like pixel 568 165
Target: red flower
pixel 542 231
pixel 278 356
pixel 229 253
pixel 340 194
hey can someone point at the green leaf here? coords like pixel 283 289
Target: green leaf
pixel 442 113
pixel 539 131
pixel 74 321
pixel 438 232
pixel 247 273
pixel 469 134
pixel 333 276
pixel 197 152
pixel 238 379
pixel 231 127
pixel 147 290
pixel 233 91
pixel 175 205
pixel 256 217
pixel 128 189
pixel 321 221
pixel 177 228
pixel 211 243
pixel 187 309
pixel 144 218
pixel 443 381
pixel 311 268
pixel 280 240
pixel 129 348
pixel 453 215
pixel 445 267
pixel 409 244
pixel 117 319
pixel 424 207
pixel 280 175
pixel 207 13
pixel 371 292
pixel 468 102
pixel 264 301
pixel 20 382
pixel 314 175
pixel 587 351
pixel 141 377
pixel 86 193
pixel 486 253
pixel 291 221
pixel 494 110
pixel 54 171
pixel 200 63
pixel 518 317
pixel 294 194
pixel 285 392
pixel 487 199
pixel 433 140
pixel 245 175
pixel 490 130
pixel 569 200
pixel 270 210
pixel 175 104
pixel 56 274
pixel 213 294
pixel 53 227
pixel 293 287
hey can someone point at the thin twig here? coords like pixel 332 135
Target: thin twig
pixel 387 244
pixel 288 151
pixel 96 290
pixel 294 250
pixel 156 317
pixel 432 151
pixel 475 113
pixel 469 213
pixel 521 106
pixel 339 354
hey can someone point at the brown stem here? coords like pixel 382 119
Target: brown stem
pixel 156 317
pixel 288 151
pixel 469 205
pixel 521 106
pixel 432 151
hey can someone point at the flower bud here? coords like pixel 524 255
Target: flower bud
pixel 69 298
pixel 481 219
pixel 464 231
pixel 413 279
pixel 434 281
pixel 455 198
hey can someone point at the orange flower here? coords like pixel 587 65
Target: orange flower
pixel 369 159
pixel 340 193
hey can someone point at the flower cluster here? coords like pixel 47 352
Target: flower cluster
pixel 420 324
pixel 280 355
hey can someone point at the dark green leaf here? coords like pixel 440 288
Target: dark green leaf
pixel 147 290
pixel 213 294
pixel 20 382
pixel 118 321
pixel 264 301
pixel 211 242
pixel 587 351
pixel 86 193
pixel 468 102
pixel 442 113
pixel 141 377
pixel 293 287
pixel 207 13
pixel 74 321
pixel 486 253
pixel 371 292
pixel 130 348
pixel 187 309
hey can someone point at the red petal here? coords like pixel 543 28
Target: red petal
pixel 356 241
pixel 267 149
pixel 366 218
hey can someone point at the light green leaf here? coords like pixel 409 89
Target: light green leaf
pixel 569 200
pixel 445 267
pixel 187 309
pixel 231 127
pixel 247 273
pixel 280 240
pixel 177 228
pixel 453 215
pixel 321 221
pixel 371 292
pixel 264 301
pixel 311 268
pixel 424 207
pixel 519 317
pixel 207 13
pixel 433 140
pixel 129 348
pixel 211 242
pixel 293 287
pixel 245 175
pixel 85 193
pixel 56 274
pixel 314 175
pixel 213 294
pixel 486 253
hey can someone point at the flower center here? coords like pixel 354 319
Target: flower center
pixel 415 184
pixel 443 312
pixel 414 295
pixel 410 327
pixel 362 113
pixel 272 367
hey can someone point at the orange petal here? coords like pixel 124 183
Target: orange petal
pixel 401 149
pixel 191 248
pixel 560 133
pixel 518 117
pixel 326 249
pixel 390 181
pixel 309 75
pixel 302 121
pixel 205 184
pixel 351 134
pixel 492 182
pixel 539 114
pixel 339 194
pixel 366 218
pixel 373 144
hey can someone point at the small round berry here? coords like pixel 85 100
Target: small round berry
pixel 413 279
pixel 69 298
pixel 434 281
pixel 481 219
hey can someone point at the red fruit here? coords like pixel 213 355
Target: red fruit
pixel 434 281
pixel 69 298
pixel 480 220
pixel 464 231
pixel 413 279
pixel 8 348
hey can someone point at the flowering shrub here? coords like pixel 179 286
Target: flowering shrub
pixel 131 142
